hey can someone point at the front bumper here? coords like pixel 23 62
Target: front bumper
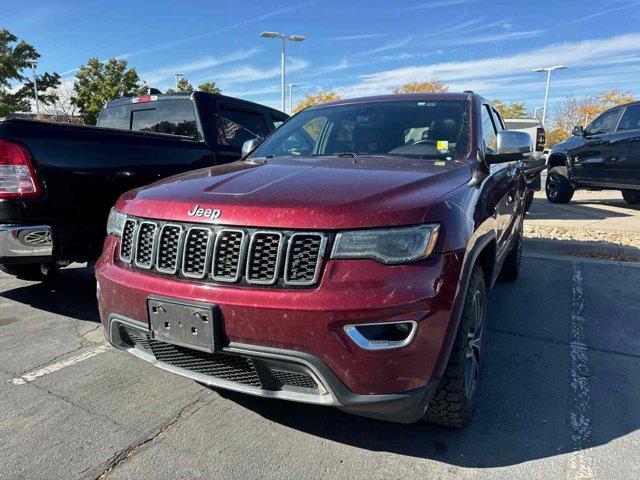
pixel 25 243
pixel 303 329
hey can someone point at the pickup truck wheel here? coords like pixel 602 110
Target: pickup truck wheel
pixel 453 403
pixel 632 197
pixel 558 186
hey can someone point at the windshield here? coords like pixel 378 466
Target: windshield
pixel 408 128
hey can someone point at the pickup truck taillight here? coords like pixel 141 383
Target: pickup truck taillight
pixel 540 139
pixel 17 177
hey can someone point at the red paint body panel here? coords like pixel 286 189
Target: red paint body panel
pixel 312 320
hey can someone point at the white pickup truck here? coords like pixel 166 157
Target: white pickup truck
pixel 536 163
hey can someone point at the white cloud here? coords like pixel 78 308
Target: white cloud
pixel 364 36
pixel 201 64
pixel 436 4
pixel 600 52
pixel 247 73
pixel 388 46
pixel 498 37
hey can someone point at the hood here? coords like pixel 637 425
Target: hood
pixel 309 193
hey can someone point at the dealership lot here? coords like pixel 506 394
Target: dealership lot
pixel 560 396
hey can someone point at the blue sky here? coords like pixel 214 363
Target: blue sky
pixel 360 47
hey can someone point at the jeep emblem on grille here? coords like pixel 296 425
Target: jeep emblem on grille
pixel 198 211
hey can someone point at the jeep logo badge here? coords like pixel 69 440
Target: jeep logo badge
pixel 198 211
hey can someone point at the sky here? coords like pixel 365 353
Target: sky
pixel 356 48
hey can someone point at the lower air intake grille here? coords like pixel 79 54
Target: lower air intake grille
pixel 294 379
pixel 232 368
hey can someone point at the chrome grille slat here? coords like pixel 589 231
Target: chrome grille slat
pixel 222 254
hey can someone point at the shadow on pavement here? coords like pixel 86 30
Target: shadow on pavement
pixel 71 293
pixel 541 209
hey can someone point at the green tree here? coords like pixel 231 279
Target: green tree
pixel 183 86
pixel 510 110
pixel 99 82
pixel 16 88
pixel 209 87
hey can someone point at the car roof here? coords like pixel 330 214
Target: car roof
pixel 187 95
pixel 401 96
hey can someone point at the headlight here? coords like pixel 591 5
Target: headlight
pixel 115 222
pixel 390 246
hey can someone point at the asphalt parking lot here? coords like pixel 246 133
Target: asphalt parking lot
pixel 560 396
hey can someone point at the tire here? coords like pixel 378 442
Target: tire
pixel 30 271
pixel 528 200
pixel 632 197
pixel 511 266
pixel 454 401
pixel 558 187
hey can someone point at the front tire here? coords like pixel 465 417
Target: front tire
pixel 453 403
pixel 558 187
pixel 632 197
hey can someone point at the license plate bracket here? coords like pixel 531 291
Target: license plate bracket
pixel 193 325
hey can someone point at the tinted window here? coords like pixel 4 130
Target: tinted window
pixel 604 123
pixel 498 120
pixel 407 128
pixel 115 117
pixel 630 119
pixel 237 126
pixel 488 129
pixel 143 120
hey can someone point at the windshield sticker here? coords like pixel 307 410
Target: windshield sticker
pixel 442 145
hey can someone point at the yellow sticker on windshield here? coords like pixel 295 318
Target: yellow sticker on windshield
pixel 442 145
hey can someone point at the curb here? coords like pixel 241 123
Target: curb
pixel 546 246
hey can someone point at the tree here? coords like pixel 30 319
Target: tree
pixel 510 110
pixel 574 111
pixel 430 86
pixel 209 87
pixel 63 109
pixel 16 58
pixel 183 86
pixel 99 82
pixel 318 98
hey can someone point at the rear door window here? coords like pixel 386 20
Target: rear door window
pixel 630 119
pixel 237 126
pixel 116 117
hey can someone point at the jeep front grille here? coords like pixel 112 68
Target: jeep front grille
pixel 223 254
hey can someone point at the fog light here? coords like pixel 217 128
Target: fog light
pixel 382 336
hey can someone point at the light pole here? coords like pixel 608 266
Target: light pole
pixel 35 88
pixel 283 37
pixel 291 85
pixel 535 112
pixel 546 93
pixel 177 75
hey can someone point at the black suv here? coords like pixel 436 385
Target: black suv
pixel 603 156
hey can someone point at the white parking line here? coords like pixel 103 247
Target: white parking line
pixel 580 461
pixel 54 367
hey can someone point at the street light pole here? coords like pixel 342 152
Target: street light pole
pixel 177 75
pixel 283 61
pixel 35 88
pixel 546 92
pixel 291 85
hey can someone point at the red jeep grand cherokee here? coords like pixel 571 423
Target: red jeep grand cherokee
pixel 346 261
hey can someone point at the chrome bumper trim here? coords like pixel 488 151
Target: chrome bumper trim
pixel 25 241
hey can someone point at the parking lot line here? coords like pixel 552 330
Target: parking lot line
pixel 55 367
pixel 580 461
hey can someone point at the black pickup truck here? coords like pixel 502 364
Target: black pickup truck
pixel 58 181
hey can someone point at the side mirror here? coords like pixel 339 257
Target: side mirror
pixel 511 146
pixel 249 146
pixel 579 131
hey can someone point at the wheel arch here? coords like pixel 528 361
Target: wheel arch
pixel 558 159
